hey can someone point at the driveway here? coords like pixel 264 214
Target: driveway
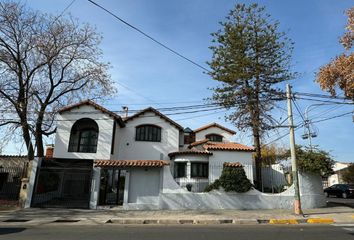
pixel 334 201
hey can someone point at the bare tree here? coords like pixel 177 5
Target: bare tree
pixel 46 62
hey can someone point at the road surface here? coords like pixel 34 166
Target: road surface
pixel 184 232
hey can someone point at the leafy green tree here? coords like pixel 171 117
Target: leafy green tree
pixel 348 174
pixel 313 161
pixel 250 57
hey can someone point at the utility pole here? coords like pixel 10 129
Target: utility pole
pixel 297 201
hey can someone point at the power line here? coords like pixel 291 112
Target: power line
pixel 320 95
pixel 298 110
pixel 148 36
pixel 65 9
pixel 301 125
pixel 337 116
pixel 167 114
pixel 325 101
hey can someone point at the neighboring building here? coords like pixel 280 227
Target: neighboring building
pixel 12 169
pixel 101 159
pixel 336 178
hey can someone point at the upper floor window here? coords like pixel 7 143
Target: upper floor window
pixel 149 133
pixel 84 136
pixel 214 137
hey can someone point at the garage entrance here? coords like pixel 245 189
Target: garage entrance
pixel 63 183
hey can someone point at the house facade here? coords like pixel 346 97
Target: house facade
pixel 339 168
pixel 103 159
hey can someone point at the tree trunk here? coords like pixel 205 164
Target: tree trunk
pixel 39 145
pixel 27 137
pixel 39 135
pixel 258 157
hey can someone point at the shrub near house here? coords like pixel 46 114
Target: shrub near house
pixel 232 179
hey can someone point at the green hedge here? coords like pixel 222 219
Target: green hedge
pixel 232 179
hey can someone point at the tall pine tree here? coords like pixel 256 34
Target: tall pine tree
pixel 250 58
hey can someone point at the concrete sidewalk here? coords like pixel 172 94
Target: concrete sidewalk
pixel 35 216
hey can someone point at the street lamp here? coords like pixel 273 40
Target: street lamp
pixel 309 135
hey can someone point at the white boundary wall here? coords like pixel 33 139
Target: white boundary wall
pixel 173 197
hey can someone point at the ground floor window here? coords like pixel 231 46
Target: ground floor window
pixel 199 170
pixel 180 169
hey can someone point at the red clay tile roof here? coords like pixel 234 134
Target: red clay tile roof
pixel 229 146
pixel 96 106
pixel 232 164
pixel 130 163
pixel 198 143
pixel 214 125
pixel 150 109
pixel 189 152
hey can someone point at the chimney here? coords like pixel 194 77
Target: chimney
pixel 49 151
pixel 125 109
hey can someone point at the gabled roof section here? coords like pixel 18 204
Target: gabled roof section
pixel 197 143
pixel 214 125
pixel 229 146
pixel 151 109
pixel 89 102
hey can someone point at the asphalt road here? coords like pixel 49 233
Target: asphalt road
pixel 340 201
pixel 187 232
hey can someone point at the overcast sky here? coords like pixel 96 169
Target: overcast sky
pixel 148 75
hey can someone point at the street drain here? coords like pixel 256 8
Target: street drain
pixel 66 221
pixel 16 220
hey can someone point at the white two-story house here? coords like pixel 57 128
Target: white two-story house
pixel 103 159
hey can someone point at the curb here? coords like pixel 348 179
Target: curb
pixel 137 221
pixel 283 221
pixel 320 221
pixel 183 221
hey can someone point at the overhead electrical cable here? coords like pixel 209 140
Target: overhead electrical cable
pixel 150 37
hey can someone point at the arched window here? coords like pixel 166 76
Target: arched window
pixel 214 137
pixel 84 136
pixel 149 133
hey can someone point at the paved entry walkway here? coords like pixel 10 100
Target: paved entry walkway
pixel 36 216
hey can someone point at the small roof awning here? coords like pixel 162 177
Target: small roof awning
pixel 232 164
pixel 130 163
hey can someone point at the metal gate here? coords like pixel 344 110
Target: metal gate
pixel 63 183
pixel 10 183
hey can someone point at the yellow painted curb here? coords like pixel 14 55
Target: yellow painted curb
pixel 352 216
pixel 283 221
pixel 320 220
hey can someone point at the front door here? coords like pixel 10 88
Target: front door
pixel 112 187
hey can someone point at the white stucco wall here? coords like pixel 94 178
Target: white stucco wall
pixel 128 148
pixel 65 122
pixel 172 197
pixel 201 135
pixel 219 157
